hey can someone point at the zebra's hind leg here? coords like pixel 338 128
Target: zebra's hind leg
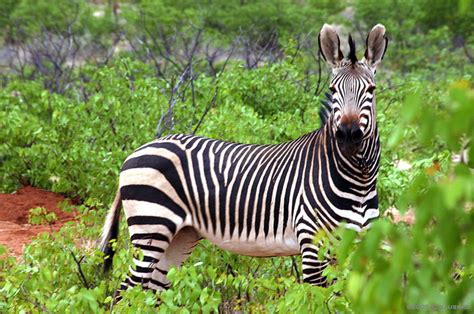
pixel 159 255
pixel 152 227
pixel 179 249
pixel 152 245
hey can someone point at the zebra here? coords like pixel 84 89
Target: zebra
pixel 257 200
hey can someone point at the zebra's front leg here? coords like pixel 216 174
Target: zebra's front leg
pixel 313 266
pixel 313 270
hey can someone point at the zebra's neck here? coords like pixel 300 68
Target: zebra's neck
pixel 341 188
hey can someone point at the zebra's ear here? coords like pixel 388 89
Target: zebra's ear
pixel 377 44
pixel 329 46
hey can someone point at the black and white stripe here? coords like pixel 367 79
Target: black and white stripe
pixel 256 200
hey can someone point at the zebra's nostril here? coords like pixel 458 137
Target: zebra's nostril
pixel 357 134
pixel 340 135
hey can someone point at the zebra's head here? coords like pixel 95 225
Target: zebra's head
pixel 352 86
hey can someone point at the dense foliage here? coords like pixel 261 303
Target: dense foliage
pixel 247 71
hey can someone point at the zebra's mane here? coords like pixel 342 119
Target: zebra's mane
pixel 325 109
pixel 352 50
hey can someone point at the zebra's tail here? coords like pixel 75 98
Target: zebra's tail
pixel 110 231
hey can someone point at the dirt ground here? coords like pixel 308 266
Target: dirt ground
pixel 15 231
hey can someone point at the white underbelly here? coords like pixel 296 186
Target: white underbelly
pixel 261 247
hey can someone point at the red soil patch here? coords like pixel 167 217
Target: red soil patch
pixel 15 231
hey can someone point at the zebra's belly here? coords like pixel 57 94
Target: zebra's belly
pixel 259 247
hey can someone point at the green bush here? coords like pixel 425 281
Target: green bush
pixel 126 101
pixel 25 19
pixel 397 268
pixel 255 20
pixel 428 39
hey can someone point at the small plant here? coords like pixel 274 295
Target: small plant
pixel 41 216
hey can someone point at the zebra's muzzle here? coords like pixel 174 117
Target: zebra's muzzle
pixel 349 137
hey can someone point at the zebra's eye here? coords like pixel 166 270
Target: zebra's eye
pixel 371 89
pixel 332 88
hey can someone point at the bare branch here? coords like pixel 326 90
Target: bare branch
pixel 216 92
pixel 209 106
pixel 166 121
pixel 295 268
pixel 81 274
pixel 317 91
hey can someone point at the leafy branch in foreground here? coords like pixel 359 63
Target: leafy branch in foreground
pixel 428 265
